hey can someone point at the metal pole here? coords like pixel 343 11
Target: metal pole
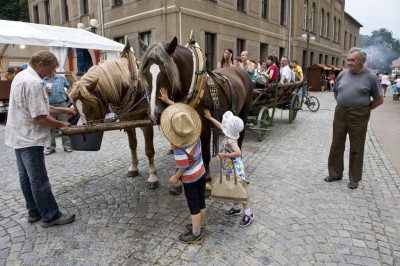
pixel 307 50
pixel 101 17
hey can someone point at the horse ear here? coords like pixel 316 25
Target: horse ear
pixel 172 45
pixel 143 45
pixel 92 85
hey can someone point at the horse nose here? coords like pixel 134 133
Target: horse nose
pixel 155 118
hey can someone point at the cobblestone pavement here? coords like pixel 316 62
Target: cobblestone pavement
pixel 299 218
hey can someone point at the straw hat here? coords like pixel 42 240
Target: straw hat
pixel 231 125
pixel 181 124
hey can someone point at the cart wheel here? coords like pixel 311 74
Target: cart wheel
pixel 262 122
pixel 294 107
pixel 313 103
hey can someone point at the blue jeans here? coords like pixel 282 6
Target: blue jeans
pixel 35 184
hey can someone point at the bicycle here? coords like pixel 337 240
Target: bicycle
pixel 311 102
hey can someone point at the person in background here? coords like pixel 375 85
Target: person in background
pixel 272 69
pixel 323 80
pixel 237 61
pixel 331 80
pixel 285 71
pixel 298 71
pixel 181 125
pixel 384 82
pixel 58 98
pixel 27 131
pixel 226 60
pixel 263 66
pixel 353 91
pixel 248 65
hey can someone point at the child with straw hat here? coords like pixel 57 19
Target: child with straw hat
pixel 181 125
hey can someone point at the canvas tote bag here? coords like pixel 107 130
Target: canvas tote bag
pixel 229 188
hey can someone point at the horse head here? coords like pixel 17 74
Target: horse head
pixel 165 65
pixel 87 101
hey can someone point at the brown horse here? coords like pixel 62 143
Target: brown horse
pixel 114 84
pixel 174 67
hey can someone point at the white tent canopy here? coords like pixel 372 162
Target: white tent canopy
pixel 58 39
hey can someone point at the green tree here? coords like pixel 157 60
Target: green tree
pixel 381 48
pixel 16 10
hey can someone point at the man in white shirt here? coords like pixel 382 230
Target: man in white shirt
pixel 285 71
pixel 28 132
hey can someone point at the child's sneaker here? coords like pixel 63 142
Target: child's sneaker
pixel 233 211
pixel 189 228
pixel 246 220
pixel 190 238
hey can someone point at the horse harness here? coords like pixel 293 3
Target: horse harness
pixel 196 91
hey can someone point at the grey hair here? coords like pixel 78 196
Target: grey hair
pixel 44 56
pixel 362 55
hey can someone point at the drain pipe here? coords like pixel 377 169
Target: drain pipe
pixel 290 31
pixel 180 26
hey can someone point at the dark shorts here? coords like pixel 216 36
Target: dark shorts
pixel 195 195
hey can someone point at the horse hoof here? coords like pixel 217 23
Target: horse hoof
pixel 153 185
pixel 132 173
pixel 175 190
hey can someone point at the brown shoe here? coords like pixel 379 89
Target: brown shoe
pixel 49 151
pixel 332 178
pixel 353 185
pixel 63 219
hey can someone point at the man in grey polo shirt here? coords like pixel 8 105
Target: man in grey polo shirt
pixel 353 90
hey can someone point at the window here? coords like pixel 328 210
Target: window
pixel 85 7
pixel 355 41
pixel 327 25
pixel 264 9
pixel 313 17
pixel 119 39
pixel 326 59
pixel 345 40
pixel 333 61
pixel 281 53
pixel 263 50
pixel 209 50
pixel 47 12
pixel 350 37
pixel 145 37
pixel 320 58
pixel 334 30
pixel 322 23
pixel 240 46
pixel 339 30
pixel 65 11
pixel 305 15
pixel 240 5
pixel 283 12
pixel 305 62
pixel 36 14
pixel 311 59
pixel 117 2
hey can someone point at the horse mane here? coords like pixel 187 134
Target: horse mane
pixel 112 77
pixel 157 52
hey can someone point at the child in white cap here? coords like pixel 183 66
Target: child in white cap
pixel 231 126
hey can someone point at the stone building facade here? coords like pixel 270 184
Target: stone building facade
pixel 261 27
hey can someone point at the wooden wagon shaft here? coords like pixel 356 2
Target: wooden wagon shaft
pixel 82 129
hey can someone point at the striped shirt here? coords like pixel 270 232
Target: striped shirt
pixel 189 158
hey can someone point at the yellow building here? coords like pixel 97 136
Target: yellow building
pixel 262 27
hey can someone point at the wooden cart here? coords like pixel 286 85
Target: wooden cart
pixel 273 96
